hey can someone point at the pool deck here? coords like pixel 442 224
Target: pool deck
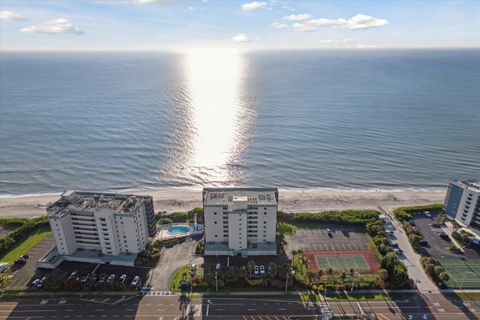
pixel 163 234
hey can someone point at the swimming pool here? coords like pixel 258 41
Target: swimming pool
pixel 180 229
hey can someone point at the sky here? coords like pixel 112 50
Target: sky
pixel 117 25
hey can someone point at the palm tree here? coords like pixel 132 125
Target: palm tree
pixel 320 273
pixel 351 271
pixel 311 275
pixel 330 271
pixel 250 267
pixel 272 266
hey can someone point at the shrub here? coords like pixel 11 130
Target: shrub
pixel 404 213
pixel 9 241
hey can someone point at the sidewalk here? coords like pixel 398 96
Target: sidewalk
pixel 410 258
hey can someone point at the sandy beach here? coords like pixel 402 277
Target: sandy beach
pixel 171 200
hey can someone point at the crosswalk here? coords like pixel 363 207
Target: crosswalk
pixel 266 317
pixel 158 293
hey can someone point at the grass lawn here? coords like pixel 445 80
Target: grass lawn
pixel 174 283
pixel 285 228
pixel 25 246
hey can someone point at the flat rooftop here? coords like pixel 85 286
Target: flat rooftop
pixel 253 196
pixel 89 201
pixel 473 184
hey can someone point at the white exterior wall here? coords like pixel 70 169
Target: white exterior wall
pixel 62 230
pixel 466 212
pixel 239 226
pixel 110 232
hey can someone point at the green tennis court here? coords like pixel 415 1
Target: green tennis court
pixel 343 262
pixel 463 273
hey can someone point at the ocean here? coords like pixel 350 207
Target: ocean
pixel 349 120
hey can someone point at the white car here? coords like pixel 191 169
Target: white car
pixel 262 269
pixel 111 278
pixel 135 281
pixel 255 270
pixel 123 278
pixel 427 214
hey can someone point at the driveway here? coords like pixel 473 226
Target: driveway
pixel 171 259
pixel 410 258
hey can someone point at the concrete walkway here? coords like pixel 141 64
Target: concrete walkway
pixel 410 258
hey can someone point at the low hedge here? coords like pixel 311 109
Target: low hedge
pixel 9 241
pixel 404 213
pixel 353 217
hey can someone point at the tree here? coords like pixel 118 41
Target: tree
pixel 444 276
pixel 320 273
pixel 383 274
pixel 311 276
pixel 343 276
pixel 250 267
pixel 351 271
pixel 329 271
pixel 272 266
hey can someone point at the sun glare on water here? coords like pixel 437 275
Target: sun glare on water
pixel 214 80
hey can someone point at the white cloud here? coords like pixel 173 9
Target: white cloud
pixel 9 15
pixel 251 6
pixel 357 22
pixel 362 21
pixel 190 8
pixel 277 25
pixel 57 26
pixel 336 41
pixel 241 37
pixel 298 17
pixel 303 27
pixel 152 1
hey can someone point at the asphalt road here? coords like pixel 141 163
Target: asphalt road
pixel 170 307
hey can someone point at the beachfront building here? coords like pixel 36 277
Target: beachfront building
pixel 100 227
pixel 462 203
pixel 240 221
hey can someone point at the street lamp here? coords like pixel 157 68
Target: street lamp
pixel 353 280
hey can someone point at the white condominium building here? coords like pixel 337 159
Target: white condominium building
pixel 100 227
pixel 240 221
pixel 462 203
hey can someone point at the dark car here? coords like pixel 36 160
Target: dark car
pixel 21 260
pixel 445 237
pixel 423 242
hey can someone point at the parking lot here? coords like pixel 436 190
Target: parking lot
pixel 23 274
pixel 437 247
pixel 319 240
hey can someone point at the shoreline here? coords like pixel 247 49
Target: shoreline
pixel 302 200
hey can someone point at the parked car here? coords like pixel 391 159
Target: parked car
pixel 72 275
pixel 329 232
pixel 21 260
pixel 256 270
pixel 123 278
pixel 445 237
pixel 262 269
pixel 394 245
pixel 24 256
pixel 135 281
pixel 102 278
pixel 41 282
pixel 110 278
pixel 423 242
pixel 397 250
pixel 3 266
pixel 83 279
pixel 427 214
pixel 34 282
